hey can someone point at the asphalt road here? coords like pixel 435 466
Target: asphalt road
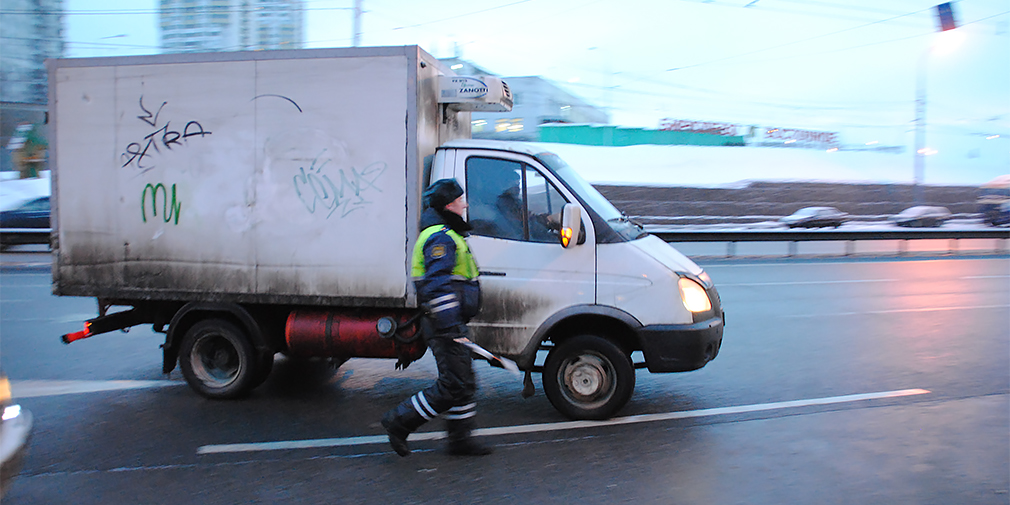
pixel 860 381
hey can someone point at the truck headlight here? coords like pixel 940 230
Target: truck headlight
pixel 11 411
pixel 693 295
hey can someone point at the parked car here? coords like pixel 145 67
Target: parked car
pixel 815 217
pixel 921 216
pixel 32 214
pixel 15 430
pixel 1001 216
pixel 27 223
pixel 993 200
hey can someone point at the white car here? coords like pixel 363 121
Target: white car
pixel 815 217
pixel 15 430
pixel 921 216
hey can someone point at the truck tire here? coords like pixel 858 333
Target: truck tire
pixel 588 377
pixel 218 360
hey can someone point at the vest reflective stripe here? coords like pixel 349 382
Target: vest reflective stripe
pixel 465 267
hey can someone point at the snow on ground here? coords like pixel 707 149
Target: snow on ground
pixel 711 166
pixel 692 166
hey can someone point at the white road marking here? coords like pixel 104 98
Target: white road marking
pixel 37 388
pixel 546 427
pixel 802 283
pixel 899 311
pixel 854 261
pixel 68 318
pixel 853 281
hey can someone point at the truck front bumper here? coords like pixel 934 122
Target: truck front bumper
pixel 681 347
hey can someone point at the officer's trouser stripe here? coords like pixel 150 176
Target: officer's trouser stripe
pixel 444 302
pixel 444 298
pixel 446 306
pixel 422 406
pixel 461 412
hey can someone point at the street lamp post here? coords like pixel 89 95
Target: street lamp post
pixel 948 24
pixel 919 162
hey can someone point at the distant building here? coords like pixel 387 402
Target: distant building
pixel 187 26
pixel 30 32
pixel 537 101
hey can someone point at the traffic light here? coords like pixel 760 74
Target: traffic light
pixel 945 14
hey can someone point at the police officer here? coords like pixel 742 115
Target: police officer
pixel 445 275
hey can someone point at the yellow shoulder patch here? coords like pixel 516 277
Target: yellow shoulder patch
pixel 438 251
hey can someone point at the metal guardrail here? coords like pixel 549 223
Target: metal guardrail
pixel 1000 236
pixel 19 236
pixel 23 236
pixel 823 235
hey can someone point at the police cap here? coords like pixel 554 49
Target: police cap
pixel 441 193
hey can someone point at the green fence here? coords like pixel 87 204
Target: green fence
pixel 606 135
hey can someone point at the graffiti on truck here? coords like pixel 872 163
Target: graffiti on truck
pixel 170 207
pixel 141 153
pixel 317 191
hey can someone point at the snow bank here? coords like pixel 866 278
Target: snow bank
pixel 707 166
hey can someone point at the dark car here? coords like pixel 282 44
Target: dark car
pixel 15 431
pixel 1001 216
pixel 32 214
pixel 25 224
pixel 921 216
pixel 815 217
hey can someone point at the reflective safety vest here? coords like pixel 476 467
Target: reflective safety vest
pixel 466 266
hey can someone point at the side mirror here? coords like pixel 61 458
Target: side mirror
pixel 571 225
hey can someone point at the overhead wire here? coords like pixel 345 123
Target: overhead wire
pixel 620 88
pixel 650 78
pixel 779 46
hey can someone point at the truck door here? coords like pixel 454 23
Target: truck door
pixel 526 275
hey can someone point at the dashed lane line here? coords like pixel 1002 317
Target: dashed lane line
pixel 570 425
pixel 37 388
pixel 898 311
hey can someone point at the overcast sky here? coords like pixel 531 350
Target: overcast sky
pixel 845 66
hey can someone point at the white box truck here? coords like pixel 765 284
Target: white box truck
pixel 246 204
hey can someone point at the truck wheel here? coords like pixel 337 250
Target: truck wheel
pixel 217 360
pixel 588 377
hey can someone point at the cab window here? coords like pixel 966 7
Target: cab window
pixel 511 200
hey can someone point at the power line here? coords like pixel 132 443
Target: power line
pixel 450 18
pixel 779 46
pixel 649 78
pixel 127 12
pixel 754 6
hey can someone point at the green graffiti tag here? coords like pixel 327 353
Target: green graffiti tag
pixel 169 211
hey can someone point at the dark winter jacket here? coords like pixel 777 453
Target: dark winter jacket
pixel 451 299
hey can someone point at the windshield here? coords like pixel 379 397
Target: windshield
pixel 620 223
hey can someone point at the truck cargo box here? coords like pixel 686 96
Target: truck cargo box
pixel 263 177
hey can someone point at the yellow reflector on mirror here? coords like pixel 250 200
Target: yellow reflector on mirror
pixel 694 296
pixel 566 236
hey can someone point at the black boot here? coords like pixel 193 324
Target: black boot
pixel 400 422
pixel 461 441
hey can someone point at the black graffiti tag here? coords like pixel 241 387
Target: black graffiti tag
pixel 138 153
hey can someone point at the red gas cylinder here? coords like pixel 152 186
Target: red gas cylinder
pixel 353 335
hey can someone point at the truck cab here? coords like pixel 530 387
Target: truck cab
pixel 614 289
